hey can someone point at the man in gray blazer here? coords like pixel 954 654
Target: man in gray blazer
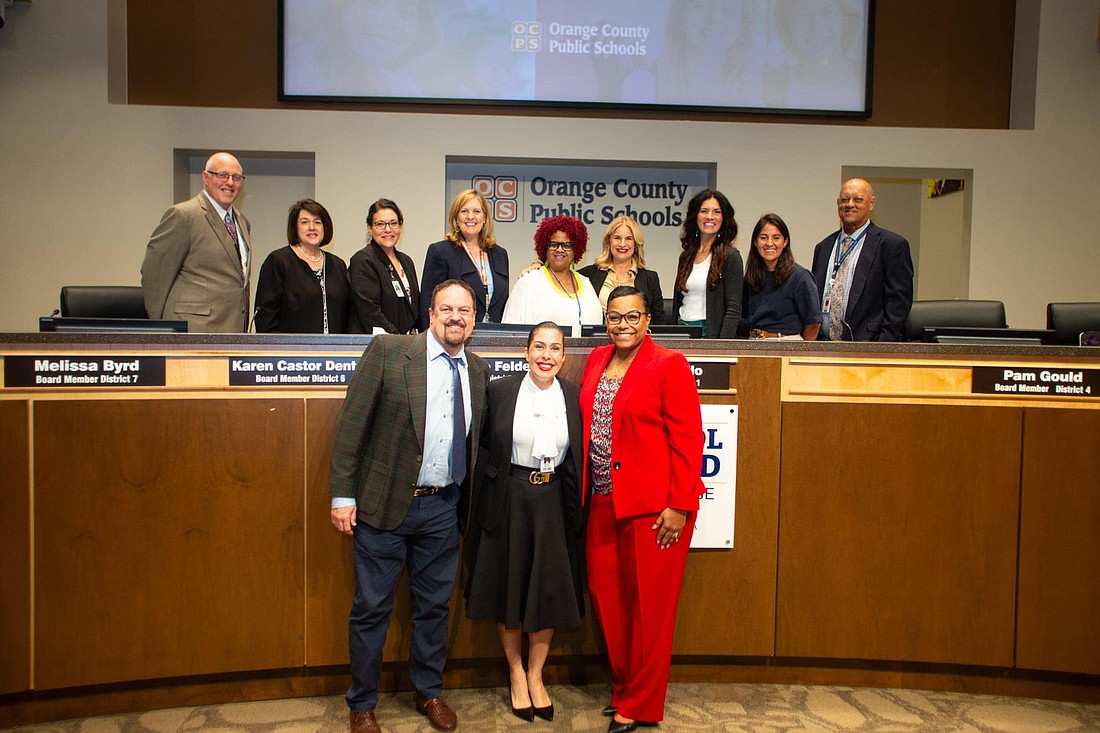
pixel 197 263
pixel 400 458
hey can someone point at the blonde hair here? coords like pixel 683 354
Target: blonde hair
pixel 603 259
pixel 485 236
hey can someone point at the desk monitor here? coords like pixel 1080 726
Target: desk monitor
pixel 110 325
pixel 656 330
pixel 512 329
pixel 977 336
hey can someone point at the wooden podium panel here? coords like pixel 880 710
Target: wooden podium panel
pixel 722 610
pixel 1059 613
pixel 897 533
pixel 15 549
pixel 168 538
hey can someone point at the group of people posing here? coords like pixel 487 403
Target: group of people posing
pixel 558 486
pixel 197 268
pixel 568 486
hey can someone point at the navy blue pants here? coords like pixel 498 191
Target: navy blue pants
pixel 427 543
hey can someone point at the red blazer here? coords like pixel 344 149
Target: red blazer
pixel 656 432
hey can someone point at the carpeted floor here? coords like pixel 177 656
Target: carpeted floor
pixel 691 707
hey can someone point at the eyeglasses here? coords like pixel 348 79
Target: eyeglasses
pixel 563 246
pixel 223 176
pixel 614 318
pixel 386 225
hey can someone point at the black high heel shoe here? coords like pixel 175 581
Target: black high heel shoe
pixel 527 713
pixel 609 711
pixel 546 713
pixel 617 727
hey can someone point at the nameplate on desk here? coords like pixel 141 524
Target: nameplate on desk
pixel 1034 381
pixel 286 371
pixel 711 374
pixel 83 371
pixel 505 366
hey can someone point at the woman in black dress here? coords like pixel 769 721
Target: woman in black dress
pixel 303 289
pixel 383 279
pixel 524 545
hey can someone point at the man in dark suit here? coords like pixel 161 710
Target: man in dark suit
pixel 410 422
pixel 197 263
pixel 864 274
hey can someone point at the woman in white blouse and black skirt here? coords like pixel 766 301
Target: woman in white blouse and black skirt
pixel 524 544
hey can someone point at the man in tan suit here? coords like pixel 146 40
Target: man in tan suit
pixel 197 263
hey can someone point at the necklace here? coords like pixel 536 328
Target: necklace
pixel 618 366
pixel 574 295
pixel 307 258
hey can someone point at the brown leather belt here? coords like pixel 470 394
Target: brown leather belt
pixel 427 490
pixel 532 476
pixel 756 333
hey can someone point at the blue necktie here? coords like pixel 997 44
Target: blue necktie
pixel 458 428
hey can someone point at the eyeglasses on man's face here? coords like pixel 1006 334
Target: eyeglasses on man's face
pixel 614 318
pixel 223 176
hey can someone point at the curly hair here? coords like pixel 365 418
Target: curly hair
pixel 574 229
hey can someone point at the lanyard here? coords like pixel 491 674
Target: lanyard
pixel 485 274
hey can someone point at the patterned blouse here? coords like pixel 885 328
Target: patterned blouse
pixel 599 446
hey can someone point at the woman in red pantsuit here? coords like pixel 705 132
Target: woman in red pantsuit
pixel 643 447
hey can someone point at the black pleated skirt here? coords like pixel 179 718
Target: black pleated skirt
pixel 526 574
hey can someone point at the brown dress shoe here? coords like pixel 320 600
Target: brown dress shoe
pixel 364 723
pixel 439 713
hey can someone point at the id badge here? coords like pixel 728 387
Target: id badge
pixel 546 465
pixel 398 288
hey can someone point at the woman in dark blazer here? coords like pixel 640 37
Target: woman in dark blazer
pixel 524 544
pixel 622 262
pixel 469 252
pixel 710 294
pixel 383 280
pixel 302 288
pixel 643 448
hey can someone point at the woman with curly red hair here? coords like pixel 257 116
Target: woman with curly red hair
pixel 554 292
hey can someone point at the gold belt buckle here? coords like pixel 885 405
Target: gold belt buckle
pixel 537 477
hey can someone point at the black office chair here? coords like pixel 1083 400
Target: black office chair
pixel 966 313
pixel 1070 320
pixel 102 301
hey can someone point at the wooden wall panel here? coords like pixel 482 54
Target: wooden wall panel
pixel 897 533
pixel 937 63
pixel 330 569
pixel 168 538
pixel 728 601
pixel 1059 605
pixel 15 548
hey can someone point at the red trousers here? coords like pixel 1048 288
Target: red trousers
pixel 635 586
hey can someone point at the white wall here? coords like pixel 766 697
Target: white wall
pixel 84 181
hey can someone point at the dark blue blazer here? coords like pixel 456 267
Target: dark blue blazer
pixel 882 286
pixel 445 260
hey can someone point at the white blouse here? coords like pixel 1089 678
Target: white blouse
pixel 694 305
pixel 540 427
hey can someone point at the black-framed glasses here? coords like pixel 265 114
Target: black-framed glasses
pixel 223 176
pixel 614 318
pixel 384 225
pixel 563 246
